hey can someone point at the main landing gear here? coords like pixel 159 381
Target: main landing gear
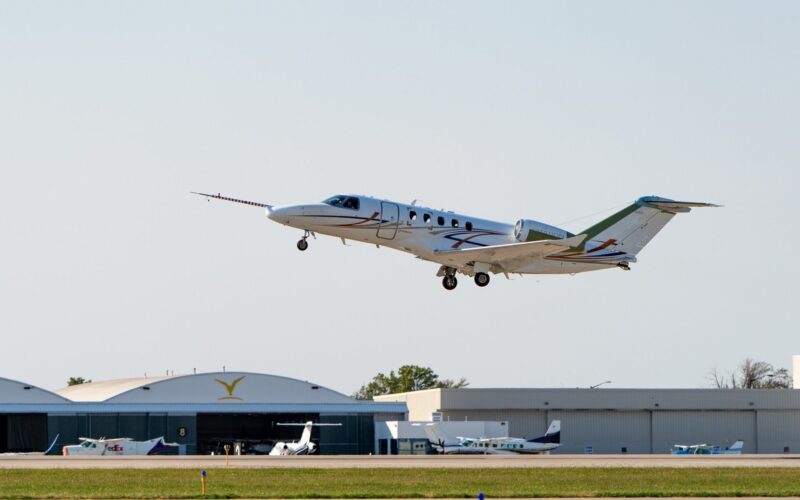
pixel 449 281
pixel 302 245
pixel 481 279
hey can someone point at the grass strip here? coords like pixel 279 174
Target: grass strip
pixel 399 483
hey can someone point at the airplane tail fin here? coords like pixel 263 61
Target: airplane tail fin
pixel 626 232
pixel 435 434
pixel 737 446
pixel 52 445
pixel 552 436
pixel 305 438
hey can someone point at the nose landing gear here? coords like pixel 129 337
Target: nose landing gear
pixel 302 245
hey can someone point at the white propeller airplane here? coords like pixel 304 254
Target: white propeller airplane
pixel 494 446
pixel 303 447
pixel 706 449
pixel 476 247
pixel 117 446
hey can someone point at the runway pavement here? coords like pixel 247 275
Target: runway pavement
pixel 394 461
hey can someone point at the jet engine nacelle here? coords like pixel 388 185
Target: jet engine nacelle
pixel 531 230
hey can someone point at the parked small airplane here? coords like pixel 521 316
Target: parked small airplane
pixel 45 452
pixel 494 446
pixel 476 247
pixel 117 446
pixel 705 449
pixel 303 447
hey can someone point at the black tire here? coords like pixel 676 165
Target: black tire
pixel 482 279
pixel 302 245
pixel 449 282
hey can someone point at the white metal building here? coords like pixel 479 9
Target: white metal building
pixel 626 420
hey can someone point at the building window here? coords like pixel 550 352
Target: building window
pixel 468 225
pixel 440 220
pixel 426 218
pixel 454 222
pixel 412 215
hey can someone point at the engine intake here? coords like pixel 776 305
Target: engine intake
pixel 531 230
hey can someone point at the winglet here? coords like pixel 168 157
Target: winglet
pixel 234 200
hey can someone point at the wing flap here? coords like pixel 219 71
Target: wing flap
pixel 509 256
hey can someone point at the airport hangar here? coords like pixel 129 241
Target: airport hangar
pixel 605 420
pixel 196 411
pixel 201 411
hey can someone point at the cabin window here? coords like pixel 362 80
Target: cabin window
pixel 427 218
pixel 412 215
pixel 342 201
pixel 468 225
pixel 440 220
pixel 454 222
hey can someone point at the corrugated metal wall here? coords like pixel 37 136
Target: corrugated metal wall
pixel 778 430
pixel 710 427
pixel 604 431
pixel 521 424
pixel 611 431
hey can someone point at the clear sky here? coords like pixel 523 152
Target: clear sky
pixel 111 112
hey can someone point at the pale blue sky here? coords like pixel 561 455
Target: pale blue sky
pixel 112 112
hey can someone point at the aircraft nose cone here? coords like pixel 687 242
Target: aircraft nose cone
pixel 283 215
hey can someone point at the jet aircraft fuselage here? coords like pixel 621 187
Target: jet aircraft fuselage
pixel 475 246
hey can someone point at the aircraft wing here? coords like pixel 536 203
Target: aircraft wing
pixel 113 440
pixel 512 256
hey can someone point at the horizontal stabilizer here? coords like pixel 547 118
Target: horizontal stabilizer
pixel 672 205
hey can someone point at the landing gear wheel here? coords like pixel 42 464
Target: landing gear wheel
pixel 302 245
pixel 449 282
pixel 481 279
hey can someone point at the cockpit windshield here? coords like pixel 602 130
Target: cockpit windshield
pixel 343 201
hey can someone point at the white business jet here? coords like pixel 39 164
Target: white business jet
pixel 494 446
pixel 303 447
pixel 476 247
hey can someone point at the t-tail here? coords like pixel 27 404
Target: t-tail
pixel 552 436
pixel 617 239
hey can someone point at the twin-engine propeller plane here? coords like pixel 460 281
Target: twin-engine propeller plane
pixel 476 247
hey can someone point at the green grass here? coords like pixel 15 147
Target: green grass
pixel 399 483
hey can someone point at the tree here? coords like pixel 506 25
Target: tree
pixel 77 381
pixel 408 378
pixel 752 374
pixel 448 383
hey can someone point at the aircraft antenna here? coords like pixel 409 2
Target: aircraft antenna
pixel 615 207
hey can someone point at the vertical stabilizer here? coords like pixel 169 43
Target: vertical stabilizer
pixel 552 436
pixel 626 232
pixel 305 438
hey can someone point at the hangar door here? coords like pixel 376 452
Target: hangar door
pixel 711 427
pixel 21 433
pixel 255 433
pixel 603 431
